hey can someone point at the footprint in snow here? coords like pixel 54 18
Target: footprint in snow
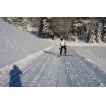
pixel 103 57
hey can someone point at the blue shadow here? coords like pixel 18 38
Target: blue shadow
pixel 35 33
pixel 50 53
pixel 15 80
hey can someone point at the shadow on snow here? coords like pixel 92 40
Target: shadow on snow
pixel 15 80
pixel 35 33
pixel 50 53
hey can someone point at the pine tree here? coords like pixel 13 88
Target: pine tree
pixel 61 26
pixel 46 27
pixel 99 31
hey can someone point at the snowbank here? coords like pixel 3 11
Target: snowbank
pixel 16 44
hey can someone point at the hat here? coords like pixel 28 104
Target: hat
pixel 61 38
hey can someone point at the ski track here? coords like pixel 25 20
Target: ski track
pixel 48 71
pixel 98 51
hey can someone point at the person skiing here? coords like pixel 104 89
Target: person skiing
pixel 61 46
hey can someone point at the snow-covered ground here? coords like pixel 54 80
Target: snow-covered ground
pixel 29 61
pixel 16 44
pixel 95 53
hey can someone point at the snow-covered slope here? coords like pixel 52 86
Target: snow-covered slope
pixel 44 69
pixel 16 44
pixel 28 61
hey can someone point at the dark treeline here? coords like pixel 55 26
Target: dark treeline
pixel 88 29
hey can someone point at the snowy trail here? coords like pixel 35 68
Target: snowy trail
pixel 45 70
pixel 28 61
pixel 81 72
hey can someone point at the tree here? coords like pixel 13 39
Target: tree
pixel 46 27
pixel 61 26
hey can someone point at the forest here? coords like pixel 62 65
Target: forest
pixel 88 29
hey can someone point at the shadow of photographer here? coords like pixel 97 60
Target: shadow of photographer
pixel 15 80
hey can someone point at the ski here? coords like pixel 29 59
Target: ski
pixel 65 55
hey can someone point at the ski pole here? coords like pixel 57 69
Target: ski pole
pixel 60 49
pixel 68 50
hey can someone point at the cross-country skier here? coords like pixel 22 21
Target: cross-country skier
pixel 61 46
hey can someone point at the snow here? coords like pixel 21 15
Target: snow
pixel 94 52
pixel 16 44
pixel 29 61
